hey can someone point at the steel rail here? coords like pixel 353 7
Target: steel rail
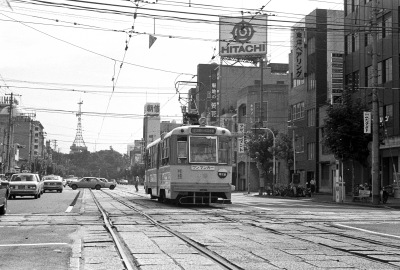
pixel 109 227
pixel 210 254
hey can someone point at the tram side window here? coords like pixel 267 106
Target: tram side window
pixel 153 157
pixel 165 152
pixel 224 150
pixel 182 150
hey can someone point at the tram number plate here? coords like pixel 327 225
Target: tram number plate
pixel 203 189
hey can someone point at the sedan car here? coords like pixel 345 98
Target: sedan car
pixel 25 184
pixel 87 182
pixel 53 182
pixel 108 184
pixel 4 192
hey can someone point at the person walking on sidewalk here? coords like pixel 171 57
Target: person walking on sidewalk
pixel 137 183
pixel 312 185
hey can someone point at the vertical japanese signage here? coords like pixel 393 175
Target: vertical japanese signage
pixel 214 103
pixel 367 122
pixel 298 54
pixel 337 78
pixel 241 139
pixel 152 109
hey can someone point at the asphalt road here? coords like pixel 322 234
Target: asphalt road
pixel 47 233
pixel 49 202
pixel 36 233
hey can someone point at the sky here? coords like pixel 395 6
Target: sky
pixel 54 54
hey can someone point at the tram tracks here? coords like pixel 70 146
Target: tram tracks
pixel 320 230
pixel 122 250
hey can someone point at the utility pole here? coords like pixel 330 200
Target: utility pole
pixel 375 109
pixel 8 154
pixel 260 169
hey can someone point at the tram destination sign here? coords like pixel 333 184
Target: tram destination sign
pixel 203 168
pixel 203 130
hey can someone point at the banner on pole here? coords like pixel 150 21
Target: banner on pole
pixel 367 122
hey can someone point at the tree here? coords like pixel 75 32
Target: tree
pixel 344 133
pixel 259 145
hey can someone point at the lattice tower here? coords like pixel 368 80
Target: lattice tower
pixel 79 144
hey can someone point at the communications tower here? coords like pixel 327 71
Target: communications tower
pixel 78 145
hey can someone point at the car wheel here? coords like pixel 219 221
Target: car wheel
pixel 97 187
pixel 74 187
pixel 112 187
pixel 3 209
pixel 36 196
pixel 39 195
pixel 61 191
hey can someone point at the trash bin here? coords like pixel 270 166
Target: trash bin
pixel 396 192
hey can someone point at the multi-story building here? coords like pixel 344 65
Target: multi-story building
pixel 151 122
pixel 359 73
pixel 219 85
pixel 25 141
pixel 274 108
pixel 317 42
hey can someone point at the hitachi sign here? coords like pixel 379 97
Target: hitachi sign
pixel 244 49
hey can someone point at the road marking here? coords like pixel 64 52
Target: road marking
pixel 69 209
pixel 248 204
pixel 368 231
pixel 37 244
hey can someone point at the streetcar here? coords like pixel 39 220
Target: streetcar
pixel 190 165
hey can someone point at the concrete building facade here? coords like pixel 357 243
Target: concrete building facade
pixel 317 41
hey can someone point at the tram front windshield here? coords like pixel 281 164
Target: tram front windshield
pixel 203 149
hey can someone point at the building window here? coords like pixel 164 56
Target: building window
pixel 264 111
pixel 348 44
pixel 36 153
pixel 36 134
pixel 351 6
pixel 367 39
pixel 299 144
pixel 388 70
pixel 311 46
pixel 387 25
pixel 297 82
pixel 36 140
pixel 310 151
pixel 311 117
pixel 36 146
pixel 36 128
pixel 298 111
pixel 311 81
pixel 355 43
pixel 379 73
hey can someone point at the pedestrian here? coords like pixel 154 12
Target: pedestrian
pixel 312 185
pixel 137 183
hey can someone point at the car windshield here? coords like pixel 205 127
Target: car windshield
pixel 203 149
pixel 19 178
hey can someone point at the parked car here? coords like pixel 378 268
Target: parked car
pixel 87 182
pixel 4 193
pixel 52 182
pixel 25 184
pixel 108 184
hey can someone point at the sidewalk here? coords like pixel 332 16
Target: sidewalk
pixel 328 198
